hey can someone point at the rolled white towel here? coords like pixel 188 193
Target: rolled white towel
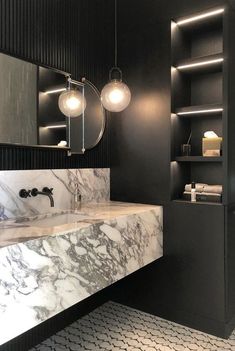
pixel 199 187
pixel 216 189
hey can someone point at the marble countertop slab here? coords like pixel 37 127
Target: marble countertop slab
pixel 44 271
pixel 23 229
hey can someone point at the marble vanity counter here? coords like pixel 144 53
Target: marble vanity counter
pixel 23 229
pixel 45 270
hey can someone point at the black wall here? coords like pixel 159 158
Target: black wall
pixel 188 284
pixel 70 35
pixel 140 136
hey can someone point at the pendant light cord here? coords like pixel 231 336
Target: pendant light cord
pixel 115 69
pixel 116 38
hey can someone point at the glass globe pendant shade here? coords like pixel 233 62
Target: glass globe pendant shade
pixel 72 103
pixel 115 96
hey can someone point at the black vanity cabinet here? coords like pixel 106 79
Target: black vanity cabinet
pixel 230 265
pixel 195 239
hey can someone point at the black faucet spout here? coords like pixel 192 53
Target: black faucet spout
pixel 45 192
pixel 49 196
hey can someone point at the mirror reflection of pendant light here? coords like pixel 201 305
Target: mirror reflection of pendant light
pixel 72 103
pixel 115 96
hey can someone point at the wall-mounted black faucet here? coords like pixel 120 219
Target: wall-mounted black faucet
pixel 34 192
pixel 46 192
pixel 25 193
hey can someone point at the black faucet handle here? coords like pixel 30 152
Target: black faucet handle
pixel 48 190
pixel 23 193
pixel 34 192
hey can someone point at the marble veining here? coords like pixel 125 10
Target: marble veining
pixel 43 274
pixel 93 184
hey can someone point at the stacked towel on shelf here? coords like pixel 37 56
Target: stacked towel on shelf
pixel 204 192
pixel 199 187
pixel 216 189
pixel 205 188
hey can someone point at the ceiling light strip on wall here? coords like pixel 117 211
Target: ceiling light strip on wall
pixel 198 64
pixel 55 91
pixel 200 17
pixel 56 126
pixel 200 111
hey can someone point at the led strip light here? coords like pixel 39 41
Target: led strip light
pixel 199 17
pixel 200 111
pixel 55 91
pixel 199 64
pixel 56 126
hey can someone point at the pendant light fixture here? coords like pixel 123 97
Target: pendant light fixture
pixel 72 103
pixel 115 96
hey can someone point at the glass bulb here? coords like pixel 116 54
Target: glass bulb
pixel 115 96
pixel 72 103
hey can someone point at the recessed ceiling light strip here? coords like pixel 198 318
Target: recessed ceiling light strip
pixel 55 126
pixel 199 64
pixel 213 110
pixel 200 17
pixel 55 91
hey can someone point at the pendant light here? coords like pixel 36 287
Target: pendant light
pixel 72 103
pixel 115 96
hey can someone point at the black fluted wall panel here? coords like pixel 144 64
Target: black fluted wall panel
pixel 70 35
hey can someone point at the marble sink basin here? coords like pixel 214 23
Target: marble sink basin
pixel 23 229
pixel 58 219
pixel 54 219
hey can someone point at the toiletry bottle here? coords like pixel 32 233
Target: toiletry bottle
pixel 193 192
pixel 77 198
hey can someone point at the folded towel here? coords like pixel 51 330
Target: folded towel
pixel 202 193
pixel 199 187
pixel 210 194
pixel 217 189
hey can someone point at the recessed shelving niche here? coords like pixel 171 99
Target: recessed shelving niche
pixel 197 97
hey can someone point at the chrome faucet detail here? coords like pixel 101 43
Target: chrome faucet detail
pixel 46 192
pixel 23 193
pixel 77 199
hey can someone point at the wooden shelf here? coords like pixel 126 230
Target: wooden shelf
pixel 198 159
pixel 200 111
pixel 203 64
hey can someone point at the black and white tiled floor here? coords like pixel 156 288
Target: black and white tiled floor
pixel 115 327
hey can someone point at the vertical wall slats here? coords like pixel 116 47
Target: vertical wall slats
pixel 70 35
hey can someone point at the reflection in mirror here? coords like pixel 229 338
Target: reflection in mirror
pixel 29 111
pixel 52 123
pixel 18 101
